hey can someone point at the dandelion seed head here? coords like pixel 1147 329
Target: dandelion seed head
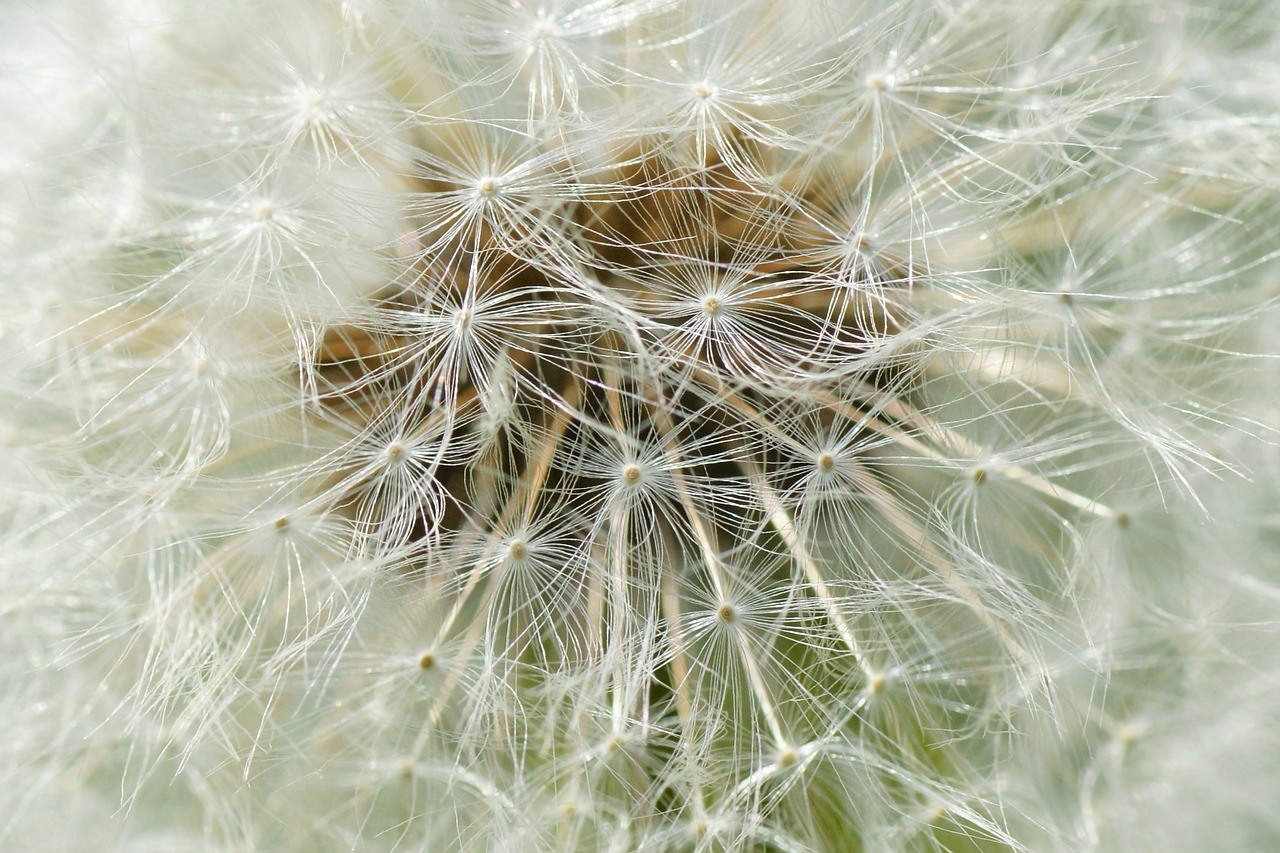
pixel 639 424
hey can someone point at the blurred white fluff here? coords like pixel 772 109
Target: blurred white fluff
pixel 639 425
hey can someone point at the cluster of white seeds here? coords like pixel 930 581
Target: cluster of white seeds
pixel 782 426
